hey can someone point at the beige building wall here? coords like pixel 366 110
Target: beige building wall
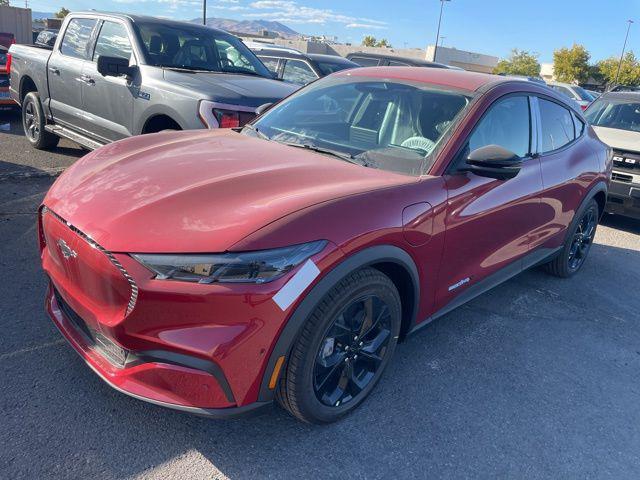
pixel 17 21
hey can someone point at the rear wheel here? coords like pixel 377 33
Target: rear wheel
pixel 343 349
pixel 33 122
pixel 578 243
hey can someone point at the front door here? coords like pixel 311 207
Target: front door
pixel 65 73
pixel 108 101
pixel 488 221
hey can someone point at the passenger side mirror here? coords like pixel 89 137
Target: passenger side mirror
pixel 114 66
pixel 263 108
pixel 493 161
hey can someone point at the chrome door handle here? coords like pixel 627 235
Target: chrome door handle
pixel 87 79
pixel 54 70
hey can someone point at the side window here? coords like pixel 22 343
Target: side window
pixel 507 124
pixel 557 125
pixel 77 36
pixel 113 41
pixel 271 63
pixel 394 63
pixel 297 71
pixel 579 125
pixel 365 61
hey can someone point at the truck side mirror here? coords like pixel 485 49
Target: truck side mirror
pixel 114 66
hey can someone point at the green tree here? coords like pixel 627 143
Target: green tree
pixel 369 41
pixel 383 43
pixel 4 3
pixel 571 64
pixel 63 12
pixel 520 62
pixel 629 71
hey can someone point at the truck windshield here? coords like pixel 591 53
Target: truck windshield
pixel 197 48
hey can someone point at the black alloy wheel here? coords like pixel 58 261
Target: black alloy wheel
pixel 352 351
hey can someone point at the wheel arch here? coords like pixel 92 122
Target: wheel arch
pixel 393 261
pixel 164 120
pixel 27 85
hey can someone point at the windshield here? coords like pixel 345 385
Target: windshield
pixel 615 113
pixel 328 68
pixel 197 48
pixel 583 94
pixel 381 124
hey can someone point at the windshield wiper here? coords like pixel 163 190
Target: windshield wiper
pixel 260 134
pixel 341 155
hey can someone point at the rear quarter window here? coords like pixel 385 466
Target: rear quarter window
pixel 365 62
pixel 557 125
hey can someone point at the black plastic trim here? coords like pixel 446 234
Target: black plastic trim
pixel 181 360
pixel 363 258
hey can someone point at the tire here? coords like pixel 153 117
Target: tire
pixel 577 244
pixel 323 347
pixel 33 122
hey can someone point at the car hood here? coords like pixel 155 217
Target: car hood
pixel 619 139
pixel 245 90
pixel 198 191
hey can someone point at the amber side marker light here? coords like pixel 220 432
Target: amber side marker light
pixel 276 373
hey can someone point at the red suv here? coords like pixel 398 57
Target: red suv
pixel 214 272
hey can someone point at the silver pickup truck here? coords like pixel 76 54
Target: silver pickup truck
pixel 110 76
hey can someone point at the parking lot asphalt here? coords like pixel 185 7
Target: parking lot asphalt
pixel 539 378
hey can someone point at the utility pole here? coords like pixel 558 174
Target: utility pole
pixel 435 50
pixel 204 12
pixel 623 49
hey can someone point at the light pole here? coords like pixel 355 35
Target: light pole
pixel 435 50
pixel 204 12
pixel 623 49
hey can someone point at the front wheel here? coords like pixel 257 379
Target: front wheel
pixel 578 243
pixel 33 122
pixel 343 349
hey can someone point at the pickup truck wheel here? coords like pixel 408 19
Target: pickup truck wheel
pixel 33 122
pixel 343 348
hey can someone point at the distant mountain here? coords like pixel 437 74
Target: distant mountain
pixel 41 15
pixel 249 26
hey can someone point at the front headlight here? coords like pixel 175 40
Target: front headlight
pixel 245 267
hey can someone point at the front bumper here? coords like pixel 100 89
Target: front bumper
pixel 624 194
pixel 155 377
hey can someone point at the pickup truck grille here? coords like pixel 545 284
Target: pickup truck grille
pixel 626 161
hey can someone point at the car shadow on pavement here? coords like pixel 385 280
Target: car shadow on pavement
pixel 537 378
pixel 619 222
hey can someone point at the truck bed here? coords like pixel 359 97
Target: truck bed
pixel 29 62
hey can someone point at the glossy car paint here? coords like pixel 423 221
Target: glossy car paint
pixel 221 191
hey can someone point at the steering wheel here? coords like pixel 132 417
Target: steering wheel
pixel 421 143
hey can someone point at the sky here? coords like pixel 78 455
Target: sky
pixel 492 27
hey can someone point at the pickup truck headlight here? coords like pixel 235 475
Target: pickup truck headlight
pixel 213 117
pixel 245 267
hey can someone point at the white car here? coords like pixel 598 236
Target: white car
pixel 615 116
pixel 574 92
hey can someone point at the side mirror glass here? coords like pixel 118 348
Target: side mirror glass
pixel 114 66
pixel 493 161
pixel 263 108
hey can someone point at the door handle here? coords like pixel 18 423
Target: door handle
pixel 87 79
pixel 54 70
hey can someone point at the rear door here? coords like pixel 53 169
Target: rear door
pixel 65 72
pixel 489 222
pixel 108 101
pixel 568 166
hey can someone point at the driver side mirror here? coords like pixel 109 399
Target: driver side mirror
pixel 114 67
pixel 263 108
pixel 493 161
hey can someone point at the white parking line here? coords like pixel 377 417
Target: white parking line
pixel 15 353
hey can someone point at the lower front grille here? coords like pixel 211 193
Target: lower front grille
pixel 115 354
pixel 621 177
